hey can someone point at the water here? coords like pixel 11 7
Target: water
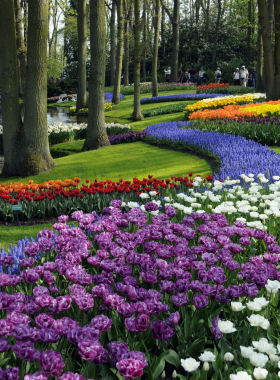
pixel 57 115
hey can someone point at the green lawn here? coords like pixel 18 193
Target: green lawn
pixel 276 148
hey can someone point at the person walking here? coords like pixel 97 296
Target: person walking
pixel 218 75
pixel 247 76
pixel 236 77
pixel 254 77
pixel 180 76
pixel 192 73
pixel 243 76
pixel 201 76
pixel 187 75
pixel 167 74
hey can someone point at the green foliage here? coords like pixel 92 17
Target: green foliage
pixel 267 133
pixel 65 86
pixel 236 90
pixel 166 109
pixel 129 90
pixel 55 68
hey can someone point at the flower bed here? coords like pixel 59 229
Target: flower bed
pixel 236 154
pixel 127 137
pixel 211 86
pixel 173 98
pixel 226 89
pixel 55 98
pixel 173 86
pixel 108 106
pixel 265 131
pixel 54 198
pixel 270 109
pixel 222 102
pixel 139 290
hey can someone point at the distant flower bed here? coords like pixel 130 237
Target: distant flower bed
pixel 84 111
pixel 221 102
pixel 212 85
pixel 224 88
pixel 174 86
pixel 179 97
pixel 127 137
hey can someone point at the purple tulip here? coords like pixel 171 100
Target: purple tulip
pixel 12 373
pixel 31 249
pixel 180 299
pixel 64 324
pixel 130 368
pixel 173 319
pixel 200 301
pixel 4 345
pixel 6 261
pixel 30 276
pixel 215 329
pixel 117 351
pixel 26 351
pixel 51 363
pixel 36 376
pixel 142 322
pixel 71 376
pixel 81 333
pixel 93 351
pixel 63 303
pixel 49 335
pixel 161 330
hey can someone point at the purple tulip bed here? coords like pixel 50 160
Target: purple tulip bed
pixel 126 295
pixel 109 97
pixel 127 137
pixel 236 154
pixel 173 98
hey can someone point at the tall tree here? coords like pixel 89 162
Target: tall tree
pixel 155 47
pixel 175 36
pixel 113 42
pixel 137 115
pixel 214 53
pixel 21 49
pixel 96 135
pixel 36 157
pixel 119 57
pixel 260 67
pixel 12 125
pixel 82 63
pixel 162 33
pixel 127 11
pixel 249 32
pixel 144 28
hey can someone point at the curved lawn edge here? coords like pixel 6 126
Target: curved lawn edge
pixel 236 154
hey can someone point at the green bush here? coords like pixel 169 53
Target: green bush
pixel 228 90
pixel 264 131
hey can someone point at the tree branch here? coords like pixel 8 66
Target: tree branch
pixel 166 10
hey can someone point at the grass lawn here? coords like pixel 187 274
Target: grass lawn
pixel 122 161
pixel 276 148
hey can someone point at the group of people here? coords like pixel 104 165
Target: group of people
pixel 240 77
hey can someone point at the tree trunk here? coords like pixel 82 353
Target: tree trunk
pixel 119 57
pixel 36 157
pixel 12 125
pixel 126 44
pixel 137 115
pixel 214 54
pixel 21 49
pixel 207 21
pixel 249 33
pixel 25 16
pixel 162 33
pixel 96 135
pixel 144 20
pixel 113 44
pixel 175 46
pixel 155 47
pixel 82 65
pixel 266 30
pixel 277 50
pixel 260 79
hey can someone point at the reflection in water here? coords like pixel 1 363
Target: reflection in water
pixel 56 115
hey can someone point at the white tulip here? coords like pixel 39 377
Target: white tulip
pixel 174 374
pixel 263 345
pixel 228 357
pixel 206 367
pixel 207 356
pixel 144 196
pixel 261 301
pixel 237 306
pixel 190 364
pixel 241 375
pixel 256 319
pixel 258 360
pixel 226 327
pixel 272 286
pixel 246 351
pixel 274 358
pixel 260 373
pixel 152 193
pixel 253 306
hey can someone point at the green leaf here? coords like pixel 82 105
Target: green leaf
pixel 173 358
pixel 197 346
pixel 158 367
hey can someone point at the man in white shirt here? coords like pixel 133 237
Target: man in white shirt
pixel 243 76
pixel 167 74
pixel 218 75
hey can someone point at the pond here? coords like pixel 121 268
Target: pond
pixel 57 115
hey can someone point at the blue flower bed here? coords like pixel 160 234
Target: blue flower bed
pixel 109 97
pixel 172 98
pixel 236 154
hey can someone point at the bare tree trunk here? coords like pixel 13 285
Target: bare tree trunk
pixel 266 30
pixel 96 136
pixel 12 125
pixel 144 21
pixel 126 44
pixel 249 33
pixel 36 157
pixel 113 43
pixel 25 17
pixel 260 79
pixel 21 49
pixel 82 65
pixel 207 21
pixel 137 115
pixel 162 32
pixel 175 46
pixel 214 54
pixel 277 49
pixel 119 58
pixel 155 47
